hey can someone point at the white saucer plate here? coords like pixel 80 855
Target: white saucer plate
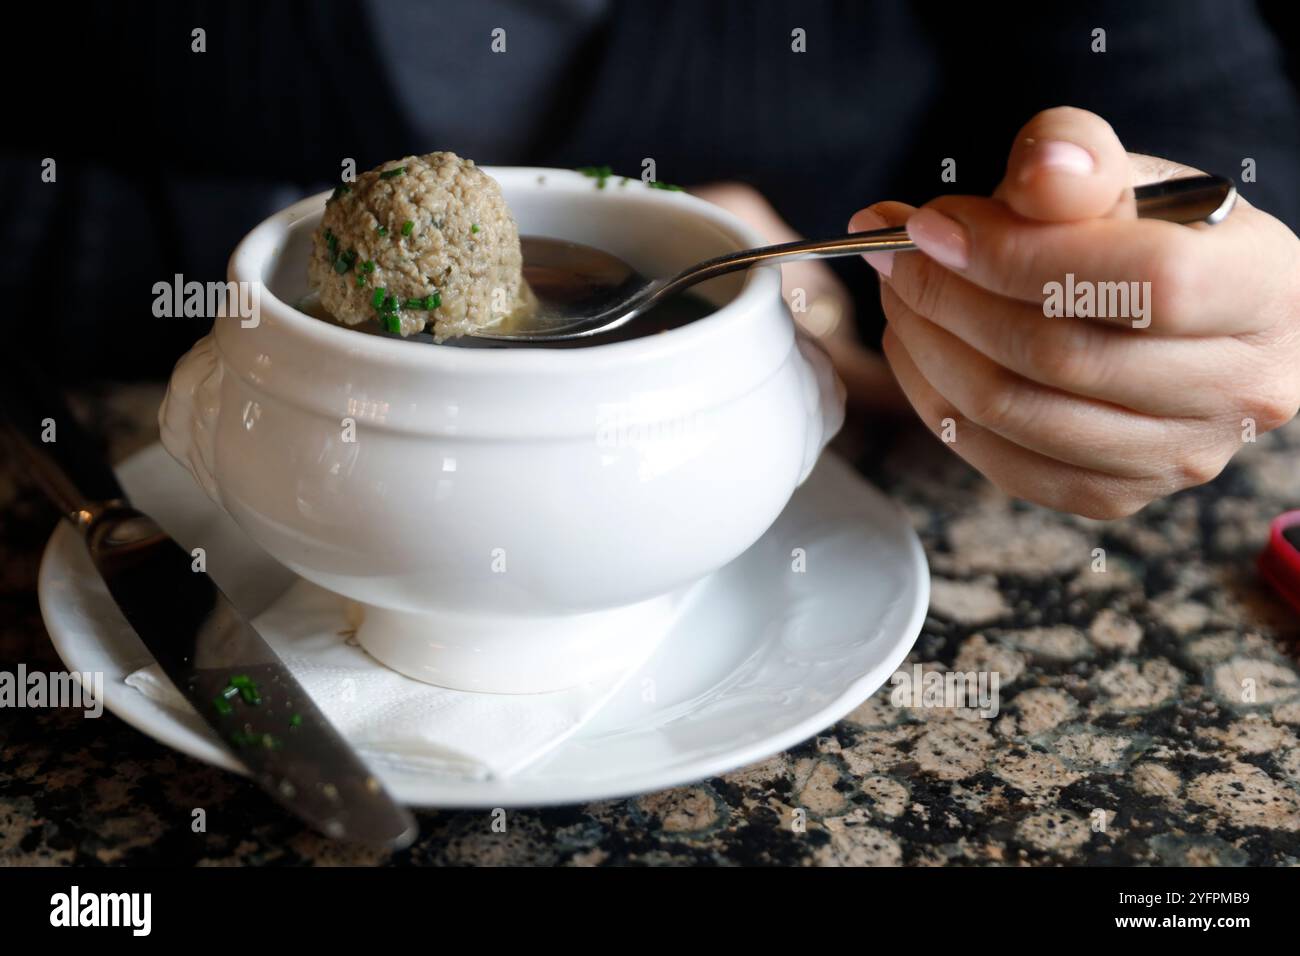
pixel 775 647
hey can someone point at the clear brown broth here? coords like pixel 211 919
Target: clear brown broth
pixel 671 314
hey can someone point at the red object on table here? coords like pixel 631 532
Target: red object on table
pixel 1279 563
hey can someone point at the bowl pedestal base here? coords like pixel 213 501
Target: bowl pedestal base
pixel 515 655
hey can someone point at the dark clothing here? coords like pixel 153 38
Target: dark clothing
pixel 166 156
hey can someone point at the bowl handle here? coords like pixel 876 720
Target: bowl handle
pixel 188 417
pixel 823 400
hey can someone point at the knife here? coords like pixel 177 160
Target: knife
pixel 216 659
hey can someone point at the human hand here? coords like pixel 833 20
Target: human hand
pixel 1093 415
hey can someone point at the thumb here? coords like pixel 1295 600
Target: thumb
pixel 1067 164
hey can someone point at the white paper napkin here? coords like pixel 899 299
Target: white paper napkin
pixel 396 720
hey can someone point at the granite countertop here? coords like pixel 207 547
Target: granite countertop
pixel 1121 701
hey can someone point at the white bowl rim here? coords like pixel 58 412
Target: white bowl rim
pixel 761 289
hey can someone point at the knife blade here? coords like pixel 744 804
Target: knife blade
pixel 216 659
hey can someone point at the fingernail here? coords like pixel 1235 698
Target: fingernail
pixel 942 239
pixel 864 221
pixel 1059 156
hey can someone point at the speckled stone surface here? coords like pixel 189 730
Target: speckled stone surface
pixel 1148 714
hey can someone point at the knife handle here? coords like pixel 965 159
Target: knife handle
pixel 64 460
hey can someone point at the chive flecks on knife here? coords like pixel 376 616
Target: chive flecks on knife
pixel 244 738
pixel 239 685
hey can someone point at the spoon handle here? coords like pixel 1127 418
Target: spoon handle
pixel 1192 199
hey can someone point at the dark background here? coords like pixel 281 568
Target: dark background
pixel 166 157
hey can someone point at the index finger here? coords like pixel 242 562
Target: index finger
pixel 1175 279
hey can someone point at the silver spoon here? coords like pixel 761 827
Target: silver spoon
pixel 583 292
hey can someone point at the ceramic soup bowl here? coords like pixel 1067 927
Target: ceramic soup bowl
pixel 512 520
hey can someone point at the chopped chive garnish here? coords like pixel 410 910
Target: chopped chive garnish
pixel 368 266
pixel 386 306
pixel 222 706
pixel 392 173
pixel 656 184
pixel 407 227
pixel 342 190
pixel 382 230
pixel 361 279
pixel 244 686
pixel 598 173
pixel 474 228
pixel 345 262
pixel 295 720
pixel 424 303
